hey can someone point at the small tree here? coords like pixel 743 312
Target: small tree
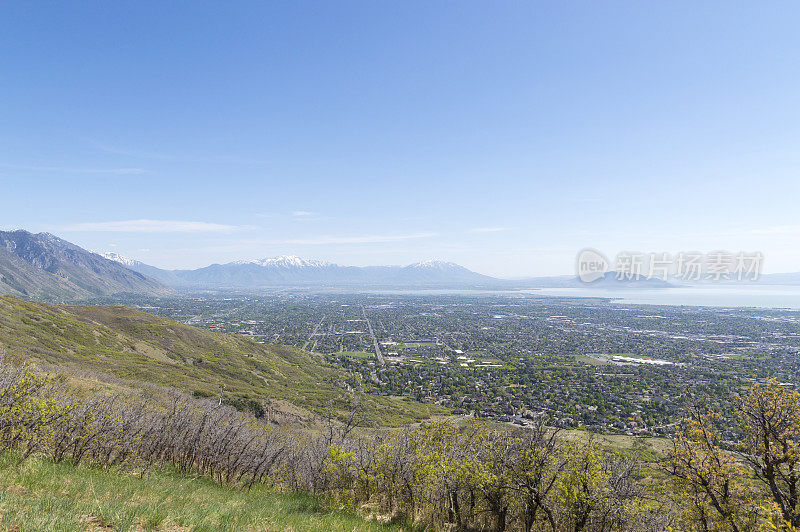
pixel 535 470
pixel 770 418
pixel 708 482
pixel 583 486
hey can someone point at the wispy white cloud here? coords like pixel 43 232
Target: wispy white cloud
pixel 303 214
pixel 360 239
pixel 133 153
pixel 489 229
pixel 776 230
pixel 78 170
pixel 156 226
pixel 192 158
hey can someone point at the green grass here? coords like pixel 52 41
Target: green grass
pixel 617 441
pixel 137 346
pixel 41 495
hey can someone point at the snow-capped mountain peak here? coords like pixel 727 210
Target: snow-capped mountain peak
pixel 435 265
pixel 116 257
pixel 285 261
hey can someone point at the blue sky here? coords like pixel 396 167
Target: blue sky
pixel 504 136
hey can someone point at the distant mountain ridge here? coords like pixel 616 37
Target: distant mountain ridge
pixel 43 266
pixel 285 261
pixel 290 270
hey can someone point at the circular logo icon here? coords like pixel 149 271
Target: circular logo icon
pixel 591 265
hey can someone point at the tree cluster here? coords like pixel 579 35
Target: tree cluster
pixel 468 475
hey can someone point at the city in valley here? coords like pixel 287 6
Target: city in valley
pixel 589 364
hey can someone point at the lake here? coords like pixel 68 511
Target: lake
pixel 761 296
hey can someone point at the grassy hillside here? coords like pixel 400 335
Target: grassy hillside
pixel 137 346
pixel 40 495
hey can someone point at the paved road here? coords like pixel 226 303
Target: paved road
pixel 313 333
pixel 372 334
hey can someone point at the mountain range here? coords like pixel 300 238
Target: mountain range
pixel 43 266
pixel 289 270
